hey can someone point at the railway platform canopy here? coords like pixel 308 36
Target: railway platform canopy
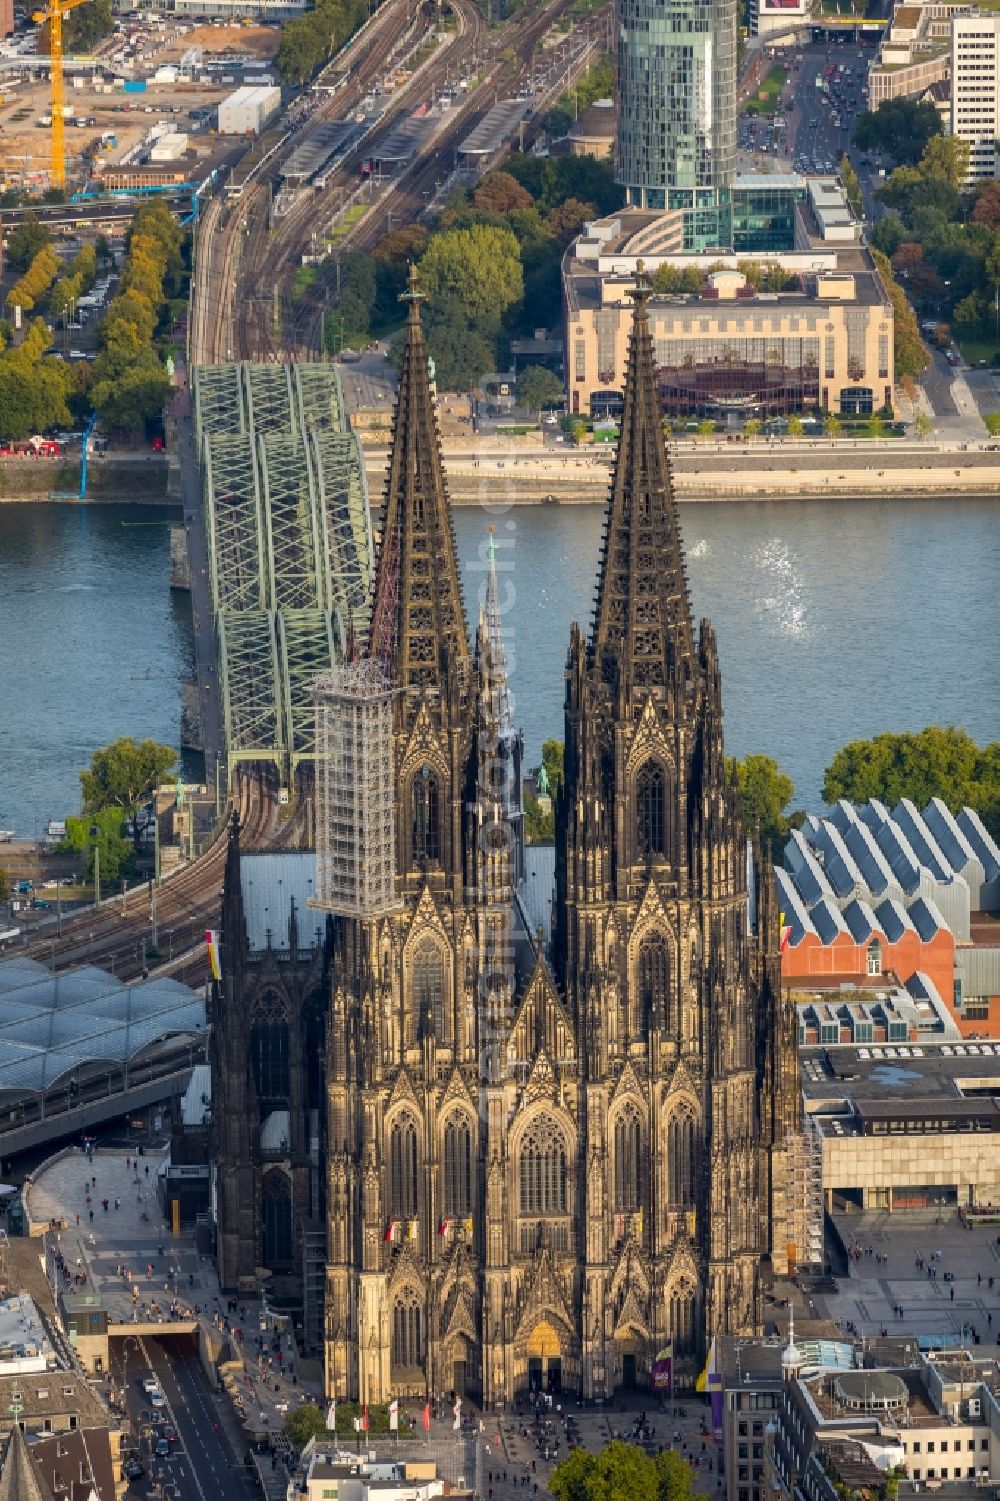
pixel 289 542
pixel 316 149
pixel 81 1045
pixel 494 130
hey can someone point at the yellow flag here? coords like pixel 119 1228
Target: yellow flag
pixel 468 1225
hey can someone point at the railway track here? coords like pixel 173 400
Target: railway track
pixel 115 936
pixel 508 56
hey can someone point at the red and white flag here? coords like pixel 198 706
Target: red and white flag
pixel 393 1416
pixel 425 1417
pixel 364 1418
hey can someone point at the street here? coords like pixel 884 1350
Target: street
pixel 202 1462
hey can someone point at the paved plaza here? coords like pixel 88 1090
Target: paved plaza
pixel 148 1277
pixel 919 1272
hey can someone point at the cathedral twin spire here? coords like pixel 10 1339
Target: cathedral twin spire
pixel 642 631
pixel 642 622
pixel 418 617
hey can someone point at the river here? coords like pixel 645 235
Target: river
pixel 835 620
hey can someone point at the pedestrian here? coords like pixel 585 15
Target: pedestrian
pixel 91 1213
pixel 118 1203
pixel 953 1295
pixel 78 1219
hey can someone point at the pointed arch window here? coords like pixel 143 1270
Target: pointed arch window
pixel 682 1321
pixel 542 1169
pixel 407 1349
pixel 430 1011
pixel 457 1187
pixel 425 829
pixel 403 1168
pixel 628 1161
pixel 269 1052
pixel 655 1009
pixel 681 1161
pixel 650 809
pixel 277 1219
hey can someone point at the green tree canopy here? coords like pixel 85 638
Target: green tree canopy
pixel 538 387
pixel 304 1423
pixel 900 128
pixel 116 851
pixel 479 267
pixel 908 347
pixel 123 775
pixel 622 1472
pixel 24 242
pixel 765 792
pixel 938 761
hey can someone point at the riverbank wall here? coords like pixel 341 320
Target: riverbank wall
pixel 139 479
pixel 527 477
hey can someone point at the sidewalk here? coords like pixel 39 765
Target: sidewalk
pixel 147 1277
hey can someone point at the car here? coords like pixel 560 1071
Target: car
pixel 161 1449
pixel 169 1432
pixel 133 1470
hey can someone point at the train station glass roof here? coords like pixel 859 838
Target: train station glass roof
pixel 54 1022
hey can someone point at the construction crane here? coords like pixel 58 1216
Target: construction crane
pixel 53 14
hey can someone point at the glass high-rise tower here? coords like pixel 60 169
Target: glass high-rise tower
pixel 676 144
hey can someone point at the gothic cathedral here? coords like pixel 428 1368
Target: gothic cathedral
pixel 552 1164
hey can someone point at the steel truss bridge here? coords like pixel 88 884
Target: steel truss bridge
pixel 289 546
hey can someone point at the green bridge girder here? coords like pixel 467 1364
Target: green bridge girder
pixel 290 546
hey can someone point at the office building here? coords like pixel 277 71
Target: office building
pixel 676 145
pixel 975 89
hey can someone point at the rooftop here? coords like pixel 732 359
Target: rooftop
pixel 270 884
pixel 52 1022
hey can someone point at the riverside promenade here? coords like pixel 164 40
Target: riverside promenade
pixel 524 471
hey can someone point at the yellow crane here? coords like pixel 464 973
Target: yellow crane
pixel 53 14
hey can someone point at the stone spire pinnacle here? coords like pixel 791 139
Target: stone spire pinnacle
pixel 233 917
pixel 642 622
pixel 491 626
pixel 418 618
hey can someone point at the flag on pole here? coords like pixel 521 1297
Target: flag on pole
pixel 663 1367
pixel 394 1416
pixel 457 1410
pixel 445 1225
pixel 425 1417
pixel 331 1416
pixel 468 1225
pixel 364 1418
pixel 391 1230
pixel 212 945
pixel 411 1230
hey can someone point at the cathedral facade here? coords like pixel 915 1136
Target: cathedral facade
pixel 544 1165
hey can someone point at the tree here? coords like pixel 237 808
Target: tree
pixel 765 792
pixel 123 775
pixel 899 127
pixel 116 851
pixel 479 267
pixel 500 193
pixel 622 1472
pixel 945 159
pixel 908 348
pixel 24 242
pixel 568 218
pixel 986 209
pixel 972 313
pixel 674 1477
pixel 796 427
pixel 938 761
pixel 401 245
pixel 852 186
pixel 4 885
pixel 304 1423
pixel 462 351
pixel 923 424
pixel 832 425
pixel 538 387
pixel 357 296
pixel 875 426
pixel 752 427
pixel 85 26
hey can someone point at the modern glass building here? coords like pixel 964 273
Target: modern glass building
pixel 676 145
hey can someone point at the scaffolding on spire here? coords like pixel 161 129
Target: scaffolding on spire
pixel 355 790
pixel 355 828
